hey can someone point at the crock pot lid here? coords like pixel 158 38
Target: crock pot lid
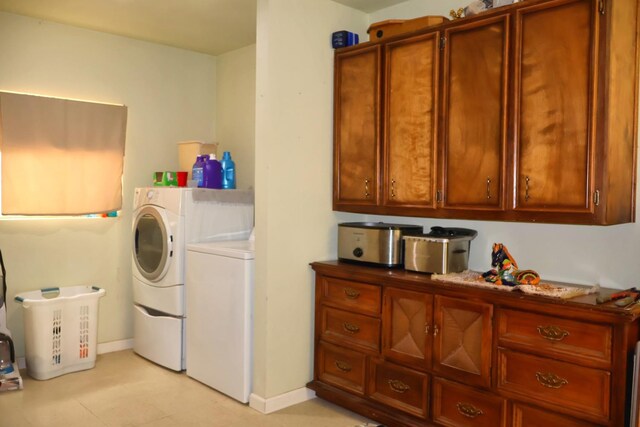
pixel 451 232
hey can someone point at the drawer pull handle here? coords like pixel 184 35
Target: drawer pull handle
pixel 552 333
pixel 343 366
pixel 550 380
pixel 351 328
pixel 468 410
pixel 398 386
pixel 351 293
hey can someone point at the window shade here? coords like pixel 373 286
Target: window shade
pixel 59 156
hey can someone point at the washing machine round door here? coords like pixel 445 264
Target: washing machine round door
pixel 152 248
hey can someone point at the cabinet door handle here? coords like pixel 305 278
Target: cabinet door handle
pixel 393 188
pixel 435 330
pixel 426 329
pixel 366 188
pixel 550 380
pixel 343 366
pixel 351 328
pixel 488 188
pixel 351 293
pixel 526 188
pixel 552 333
pixel 468 410
pixel 398 386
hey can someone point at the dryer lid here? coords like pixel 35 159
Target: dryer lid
pixel 241 249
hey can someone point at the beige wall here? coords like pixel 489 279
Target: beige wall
pixel 170 94
pixel 235 110
pixel 294 221
pixel 415 8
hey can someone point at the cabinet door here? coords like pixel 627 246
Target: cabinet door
pixel 411 82
pixel 462 340
pixel 406 320
pixel 356 121
pixel 475 114
pixel 554 88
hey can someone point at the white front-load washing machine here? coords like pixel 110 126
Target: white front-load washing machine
pixel 165 219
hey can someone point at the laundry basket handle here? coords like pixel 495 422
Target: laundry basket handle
pixel 43 291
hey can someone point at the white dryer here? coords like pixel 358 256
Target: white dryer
pixel 220 288
pixel 165 219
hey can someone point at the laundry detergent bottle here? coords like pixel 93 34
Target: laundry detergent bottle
pixel 212 173
pixel 198 169
pixel 228 171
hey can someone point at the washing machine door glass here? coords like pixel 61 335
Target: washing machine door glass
pixel 151 245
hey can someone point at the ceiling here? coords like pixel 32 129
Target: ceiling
pixel 207 26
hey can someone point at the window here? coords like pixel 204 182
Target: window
pixel 60 156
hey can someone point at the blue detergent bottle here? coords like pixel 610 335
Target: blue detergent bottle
pixel 212 173
pixel 228 171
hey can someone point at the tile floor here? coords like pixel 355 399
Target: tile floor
pixel 126 390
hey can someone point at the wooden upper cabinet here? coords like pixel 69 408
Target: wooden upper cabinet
pixel 556 63
pixel 523 113
pixel 474 133
pixel 356 124
pixel 411 99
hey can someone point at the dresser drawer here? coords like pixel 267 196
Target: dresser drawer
pixel 572 389
pixel 341 367
pixel 399 387
pixel 350 329
pixel 567 339
pixel 526 416
pixel 459 406
pixel 353 296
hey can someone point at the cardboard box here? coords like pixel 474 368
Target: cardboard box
pixel 188 151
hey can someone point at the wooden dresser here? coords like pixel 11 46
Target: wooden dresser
pixel 405 350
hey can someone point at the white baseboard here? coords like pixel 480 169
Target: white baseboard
pixel 272 404
pixel 109 347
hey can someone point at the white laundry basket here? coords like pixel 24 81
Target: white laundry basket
pixel 60 328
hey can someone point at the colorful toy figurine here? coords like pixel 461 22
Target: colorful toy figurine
pixel 505 271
